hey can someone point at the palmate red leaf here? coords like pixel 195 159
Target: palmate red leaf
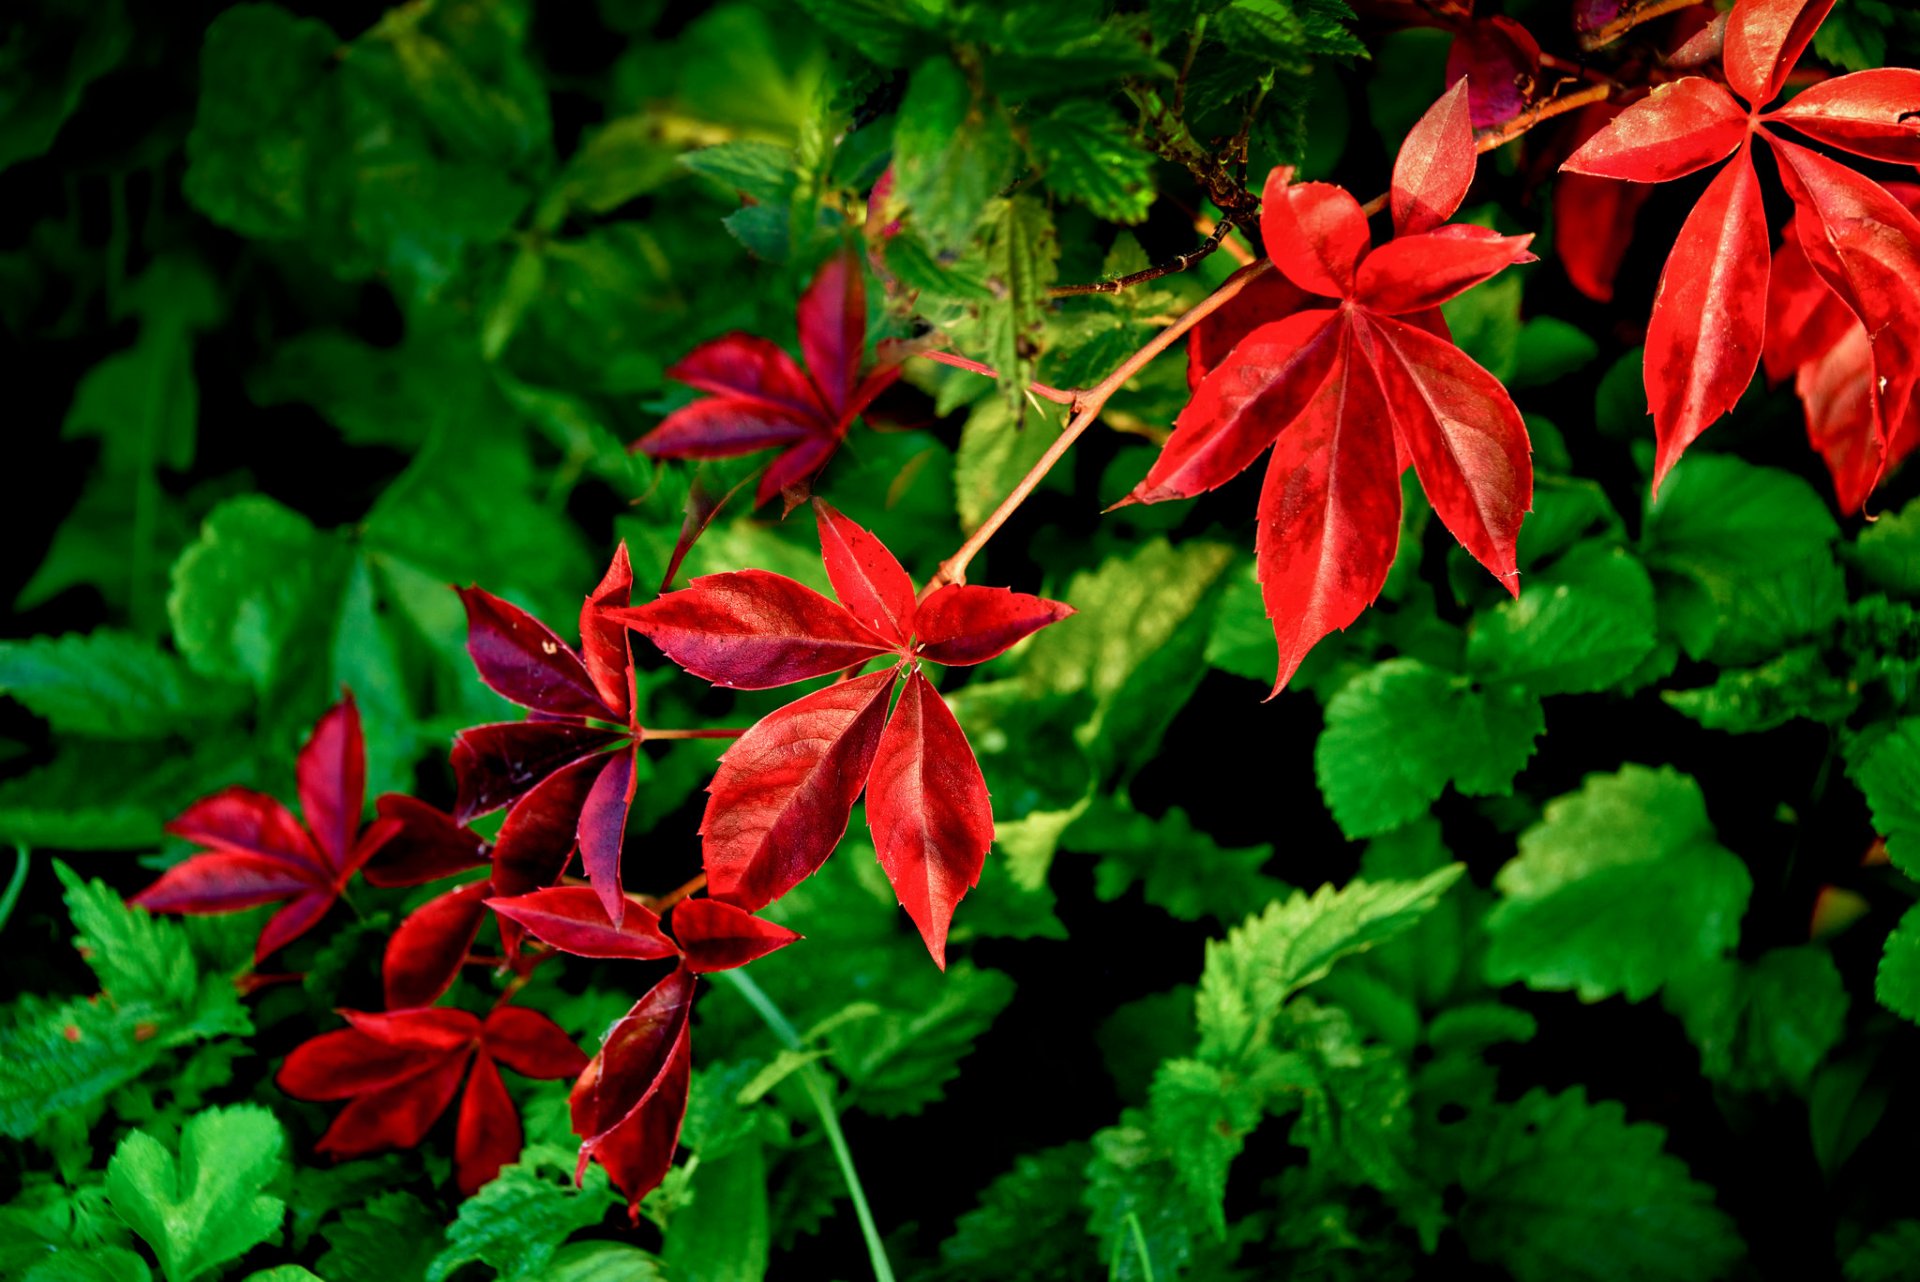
pixel 1805 318
pixel 426 845
pixel 499 763
pixel 1500 60
pixel 348 1062
pixel 719 936
pixel 540 831
pixel 243 822
pixel 784 792
pixel 927 806
pixel 221 883
pixel 1265 299
pixel 604 646
pixel 603 828
pixel 489 1133
pixel 753 629
pixel 574 920
pixel 398 1116
pixel 530 1044
pixel 1348 397
pixel 964 624
pixel 426 951
pixel 629 1102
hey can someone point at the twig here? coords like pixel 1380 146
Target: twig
pixel 1179 264
pixel 661 903
pixel 1632 18
pixel 1041 390
pixel 717 732
pixel 1485 140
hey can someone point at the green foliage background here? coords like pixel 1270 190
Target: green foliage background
pixel 1613 957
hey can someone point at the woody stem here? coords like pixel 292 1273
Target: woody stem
pixel 1627 21
pixel 718 732
pixel 816 1087
pixel 661 903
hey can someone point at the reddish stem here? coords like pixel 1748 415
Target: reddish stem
pixel 718 732
pixel 660 903
pixel 1041 390
pixel 1632 18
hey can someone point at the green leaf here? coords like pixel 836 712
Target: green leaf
pixel 1765 1024
pixel 996 450
pixel 1888 552
pixel 244 586
pixel 517 1220
pixel 1749 700
pixel 723 1236
pixel 763 171
pixel 1886 768
pixel 1399 732
pixel 1144 1232
pixel 1578 627
pixel 61 805
pixel 1891 1255
pixel 98 1264
pixel 1090 156
pixel 110 685
pixel 616 162
pixel 1180 868
pixel 1549 349
pixel 393 1236
pixel 1022 255
pixel 1897 984
pixel 1269 957
pixel 1028 1226
pixel 1619 888
pixel 1203 1113
pixel 1558 1188
pixel 1485 323
pixel 207 1206
pixel 52 53
pixel 952 153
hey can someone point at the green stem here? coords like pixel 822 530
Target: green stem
pixel 11 895
pixel 829 1120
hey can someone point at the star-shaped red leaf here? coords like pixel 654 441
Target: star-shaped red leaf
pixel 258 853
pixel 785 790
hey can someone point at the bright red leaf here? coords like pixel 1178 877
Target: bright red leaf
pixel 1709 321
pixel 785 790
pixel 573 919
pixel 1352 382
pixel 426 951
pixel 258 853
pixel 719 936
pixel 760 398
pixel 401 1070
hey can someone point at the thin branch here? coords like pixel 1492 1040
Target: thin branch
pixel 1485 140
pixel 1632 18
pixel 660 903
pixel 810 1077
pixel 1041 390
pixel 717 732
pixel 1179 264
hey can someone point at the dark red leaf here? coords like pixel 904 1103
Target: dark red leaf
pixel 753 629
pixel 427 950
pixel 1435 166
pixel 1764 39
pixel 724 427
pixel 603 829
pixel 928 809
pixel 426 846
pixel 347 1062
pixel 603 641
pixel 399 1116
pixel 1500 60
pixel 782 796
pixel 573 919
pixel 522 660
pixel 496 763
pixel 749 368
pixel 540 831
pixel 243 822
pixel 332 773
pixel 833 329
pixel 718 936
pixel 434 1028
pixel 1680 128
pixel 489 1136
pixel 531 1044
pixel 869 581
pixel 963 624
pixel 630 1101
pixel 224 884
pixel 1709 316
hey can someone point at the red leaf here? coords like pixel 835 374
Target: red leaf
pixel 833 329
pixel 427 846
pixel 866 577
pixel 531 1044
pixel 223 883
pixel 1234 415
pixel 1593 217
pixel 540 831
pixel 749 368
pixel 603 641
pixel 1805 318
pixel 603 829
pixel 434 1028
pixel 1329 512
pixel 1709 316
pixel 347 1062
pixel 427 950
pixel 242 822
pixel 1435 166
pixel 928 809
pixel 752 630
pixel 399 1116
pixel 1315 233
pixel 1466 438
pixel 1765 38
pixel 1500 60
pixel 781 798
pixel 332 772
pixel 496 763
pixel 1266 298
pixel 489 1133
pixel 724 427
pixel 574 920
pixel 1415 273
pixel 962 624
pixel 1678 129
pixel 521 659
pixel 1875 114
pixel 718 936
pixel 631 1099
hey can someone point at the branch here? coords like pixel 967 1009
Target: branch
pixel 1632 18
pixel 1041 390
pixel 1179 264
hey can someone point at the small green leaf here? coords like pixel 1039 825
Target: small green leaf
pixel 1090 156
pixel 517 1220
pixel 1578 627
pixel 207 1206
pixel 1886 767
pixel 110 685
pixel 952 153
pixel 393 1236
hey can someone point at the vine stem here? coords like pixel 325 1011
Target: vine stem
pixel 809 1075
pixel 1632 18
pixel 661 903
pixel 719 732
pixel 1086 408
pixel 1054 394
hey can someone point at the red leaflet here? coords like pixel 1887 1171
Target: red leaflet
pixel 257 853
pixel 564 788
pixel 1709 322
pixel 573 919
pixel 1347 395
pixel 1593 217
pixel 426 845
pixel 630 1100
pixel 402 1069
pixel 761 399
pixel 1500 61
pixel 785 790
pixel 719 936
pixel 426 951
